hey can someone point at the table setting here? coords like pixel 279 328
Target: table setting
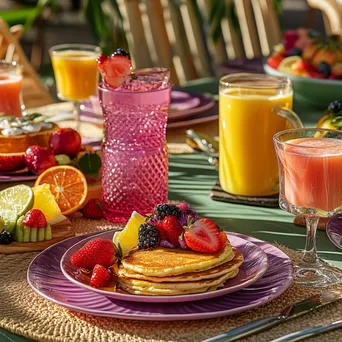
pixel 177 208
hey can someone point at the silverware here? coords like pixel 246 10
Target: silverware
pixel 203 143
pixel 303 334
pixel 292 311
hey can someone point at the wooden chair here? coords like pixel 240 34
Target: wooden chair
pixel 177 34
pixel 332 15
pixel 33 90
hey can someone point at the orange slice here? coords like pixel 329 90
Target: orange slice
pixel 68 185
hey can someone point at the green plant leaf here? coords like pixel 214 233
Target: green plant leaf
pixel 90 164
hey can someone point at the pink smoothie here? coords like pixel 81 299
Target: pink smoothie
pixel 313 172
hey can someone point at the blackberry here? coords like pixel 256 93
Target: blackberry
pixel 148 236
pixel 163 210
pixel 5 237
pixel 324 68
pixel 121 52
pixel 295 52
pixel 335 106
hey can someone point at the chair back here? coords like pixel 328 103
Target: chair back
pixel 332 15
pixel 178 35
pixel 33 90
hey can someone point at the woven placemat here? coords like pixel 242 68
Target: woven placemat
pixel 24 312
pixel 218 194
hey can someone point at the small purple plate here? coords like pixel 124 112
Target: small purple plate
pixel 46 278
pixel 182 105
pixel 252 269
pixel 334 230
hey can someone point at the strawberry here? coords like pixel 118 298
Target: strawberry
pixel 100 276
pixel 114 69
pixel 290 38
pixel 93 209
pixel 173 229
pixel 203 236
pixel 35 218
pixel 96 251
pixel 223 239
pixel 315 74
pixel 38 159
pixel 273 61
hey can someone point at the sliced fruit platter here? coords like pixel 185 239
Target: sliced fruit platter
pixel 171 255
pixel 32 219
pixel 305 53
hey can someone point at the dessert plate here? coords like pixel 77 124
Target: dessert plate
pixel 25 175
pixel 252 269
pixel 334 231
pixel 46 278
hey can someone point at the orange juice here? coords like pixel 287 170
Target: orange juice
pixel 76 74
pixel 10 97
pixel 312 169
pixel 248 164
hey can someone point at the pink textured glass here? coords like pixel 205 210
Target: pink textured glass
pixel 134 154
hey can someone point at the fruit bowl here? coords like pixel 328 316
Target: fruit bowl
pixel 315 92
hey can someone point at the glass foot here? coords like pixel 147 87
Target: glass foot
pixel 321 274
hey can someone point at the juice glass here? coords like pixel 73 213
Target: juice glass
pixel 134 154
pixel 75 71
pixel 247 122
pixel 10 89
pixel 310 171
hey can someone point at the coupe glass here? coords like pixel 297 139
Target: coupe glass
pixel 310 173
pixel 76 73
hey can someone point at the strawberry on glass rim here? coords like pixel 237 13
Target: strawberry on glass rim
pixel 116 68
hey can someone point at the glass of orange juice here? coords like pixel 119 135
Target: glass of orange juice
pixel 247 122
pixel 10 89
pixel 75 71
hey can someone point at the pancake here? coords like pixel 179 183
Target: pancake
pixel 190 276
pixel 189 288
pixel 165 262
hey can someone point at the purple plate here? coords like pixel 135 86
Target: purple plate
pixel 252 269
pixel 182 105
pixel 46 278
pixel 334 230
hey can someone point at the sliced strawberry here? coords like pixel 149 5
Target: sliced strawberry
pixel 203 236
pixel 315 74
pixel 274 61
pixel 172 228
pixel 223 239
pixel 114 69
pixel 100 276
pixel 96 251
pixel 35 218
pixel 11 161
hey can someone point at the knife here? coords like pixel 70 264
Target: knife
pixel 302 334
pixel 292 311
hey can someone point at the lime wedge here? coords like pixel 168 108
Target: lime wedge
pixel 10 220
pixel 18 199
pixel 285 65
pixel 128 237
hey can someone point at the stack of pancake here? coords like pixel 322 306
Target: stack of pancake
pixel 169 272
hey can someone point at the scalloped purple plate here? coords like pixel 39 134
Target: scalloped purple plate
pixel 334 230
pixel 46 278
pixel 252 269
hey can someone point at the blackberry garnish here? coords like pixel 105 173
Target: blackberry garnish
pixel 335 106
pixel 148 236
pixel 163 210
pixel 324 68
pixel 121 52
pixel 5 237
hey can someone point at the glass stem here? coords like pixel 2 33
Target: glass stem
pixel 77 114
pixel 310 253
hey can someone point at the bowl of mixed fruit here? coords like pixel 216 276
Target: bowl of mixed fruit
pixel 311 61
